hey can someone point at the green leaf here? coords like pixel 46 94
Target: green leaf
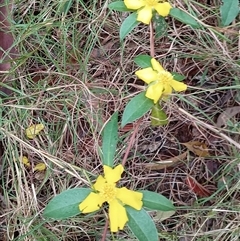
pixel 128 25
pixel 161 26
pixel 143 61
pixel 110 139
pixel 141 224
pixel 158 116
pixel 229 11
pixel 156 201
pixel 184 17
pixel 65 204
pixel 178 76
pixel 136 108
pixel 65 6
pixel 118 6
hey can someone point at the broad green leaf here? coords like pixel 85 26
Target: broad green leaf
pixel 158 116
pixel 156 201
pixel 110 139
pixel 160 26
pixel 128 25
pixel 184 17
pixel 65 204
pixel 178 76
pixel 229 11
pixel 143 61
pixel 136 108
pixel 118 6
pixel 141 224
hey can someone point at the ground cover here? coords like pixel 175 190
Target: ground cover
pixel 72 73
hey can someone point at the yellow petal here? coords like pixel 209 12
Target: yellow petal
pixel 25 161
pixel 147 75
pixel 134 4
pixel 129 197
pixel 117 216
pixel 91 203
pixel 178 86
pixel 163 9
pixel 33 130
pixel 154 92
pixel 99 183
pixel 113 175
pixel 167 90
pixel 145 15
pixel 156 65
pixel 40 167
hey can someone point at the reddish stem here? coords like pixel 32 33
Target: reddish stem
pixel 131 142
pixel 152 50
pixel 105 231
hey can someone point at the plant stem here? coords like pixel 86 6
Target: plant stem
pixel 152 50
pixel 105 231
pixel 131 142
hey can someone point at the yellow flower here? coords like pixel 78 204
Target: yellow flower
pixel 160 82
pixel 145 8
pixel 105 190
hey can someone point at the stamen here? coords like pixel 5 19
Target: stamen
pixel 151 3
pixel 108 192
pixel 164 76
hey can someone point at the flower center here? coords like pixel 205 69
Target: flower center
pixel 108 192
pixel 151 3
pixel 164 76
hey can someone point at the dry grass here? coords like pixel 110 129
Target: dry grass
pixel 72 75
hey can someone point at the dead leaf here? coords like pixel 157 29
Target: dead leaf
pixel 105 50
pixel 40 167
pixel 34 130
pixel 163 215
pixel 39 176
pixel 198 148
pixel 226 115
pixel 197 188
pixel 25 161
pixel 166 163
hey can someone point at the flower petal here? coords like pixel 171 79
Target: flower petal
pixel 99 183
pixel 129 197
pixel 154 92
pixel 148 75
pixel 156 65
pixel 163 9
pixel 145 15
pixel 117 216
pixel 112 175
pixel 91 203
pixel 167 89
pixel 178 86
pixel 134 4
